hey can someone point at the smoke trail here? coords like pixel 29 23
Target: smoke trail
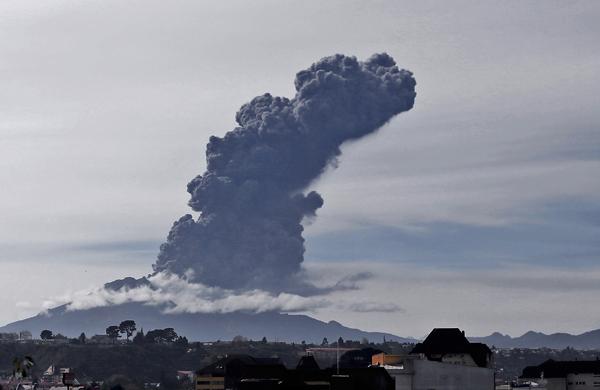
pixel 249 233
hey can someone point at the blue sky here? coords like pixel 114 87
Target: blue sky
pixel 489 184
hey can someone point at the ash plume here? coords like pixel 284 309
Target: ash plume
pixel 252 198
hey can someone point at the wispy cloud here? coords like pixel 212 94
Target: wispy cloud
pixel 375 307
pixel 176 294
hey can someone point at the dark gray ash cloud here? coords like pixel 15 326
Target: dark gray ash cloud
pixel 251 197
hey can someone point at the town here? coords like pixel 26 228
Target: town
pixel 127 359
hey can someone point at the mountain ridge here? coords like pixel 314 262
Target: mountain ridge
pixel 532 339
pixel 196 327
pixel 273 325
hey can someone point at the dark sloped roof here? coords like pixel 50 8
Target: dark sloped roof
pixel 442 341
pixel 358 357
pixel 560 369
pixel 237 362
pixel 480 353
pixel 261 371
pixel 245 372
pixel 307 363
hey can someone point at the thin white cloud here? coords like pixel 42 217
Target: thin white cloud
pixel 375 307
pixel 178 295
pixel 175 294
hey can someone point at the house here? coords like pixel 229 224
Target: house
pixel 565 375
pixel 182 375
pixel 445 360
pixel 25 335
pixel 8 337
pixel 449 345
pixel 327 356
pixel 100 339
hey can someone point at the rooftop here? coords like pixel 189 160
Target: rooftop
pixel 560 369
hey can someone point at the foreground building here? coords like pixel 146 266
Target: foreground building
pixel 242 372
pixel 226 373
pixel 565 375
pixel 445 360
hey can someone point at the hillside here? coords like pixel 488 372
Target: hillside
pixel 213 326
pixel 587 341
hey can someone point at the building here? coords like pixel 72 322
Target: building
pixel 25 335
pixel 8 337
pixel 565 375
pixel 185 375
pixel 100 339
pixel 243 372
pixel 228 372
pixel 328 356
pixel 449 345
pixel 445 360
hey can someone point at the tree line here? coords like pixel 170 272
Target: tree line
pixel 127 328
pixel 154 336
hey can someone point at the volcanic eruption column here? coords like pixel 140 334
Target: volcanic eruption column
pixel 251 200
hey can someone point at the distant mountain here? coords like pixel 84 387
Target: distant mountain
pixel 587 340
pixel 198 327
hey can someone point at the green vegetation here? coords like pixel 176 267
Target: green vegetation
pixel 22 366
pixel 46 334
pixel 127 327
pixel 113 332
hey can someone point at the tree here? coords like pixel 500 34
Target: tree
pixel 239 339
pixel 167 335
pixel 22 366
pixel 325 341
pixel 46 334
pixel 340 341
pixel 154 336
pixel 182 341
pixel 82 338
pixel 139 337
pixel 113 332
pixel 264 340
pixel 127 327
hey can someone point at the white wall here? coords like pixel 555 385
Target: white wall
pixel 462 358
pixel 554 383
pixel 428 375
pixel 574 382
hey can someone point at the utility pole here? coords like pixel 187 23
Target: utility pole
pixel 337 356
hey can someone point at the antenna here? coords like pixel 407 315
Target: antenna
pixel 337 356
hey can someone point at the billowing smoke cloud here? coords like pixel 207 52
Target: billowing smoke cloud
pixel 251 197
